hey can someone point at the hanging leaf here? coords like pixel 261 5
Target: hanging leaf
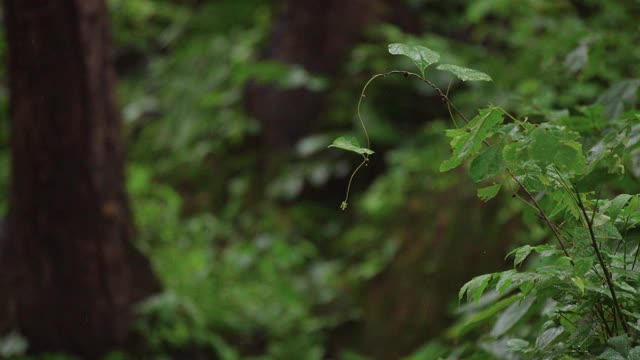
pixel 465 74
pixel 475 288
pixel 548 336
pixel 350 144
pixel 488 164
pixel 467 141
pixel 489 192
pixel 553 145
pixel 521 254
pixel 420 55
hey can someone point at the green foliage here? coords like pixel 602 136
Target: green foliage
pixel 464 74
pixel 421 56
pixel 467 141
pixel 350 144
pixel 545 161
pixel 253 268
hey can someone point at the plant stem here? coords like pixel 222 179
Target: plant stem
pixel 344 204
pixel 607 275
pixel 445 98
pixel 452 106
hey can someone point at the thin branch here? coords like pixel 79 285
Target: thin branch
pixel 603 319
pixel 607 275
pixel 344 204
pixel 445 98
pixel 451 106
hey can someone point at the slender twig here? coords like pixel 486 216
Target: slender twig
pixel 543 214
pixel 604 320
pixel 567 319
pixel 362 96
pixel 344 204
pixel 607 274
pixel 445 98
pixel 626 222
pixel 451 106
pixel 635 258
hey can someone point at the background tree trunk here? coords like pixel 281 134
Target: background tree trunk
pixel 318 36
pixel 70 271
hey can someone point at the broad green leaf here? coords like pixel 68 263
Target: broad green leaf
pixel 616 205
pixel 605 153
pixel 420 55
pixel 548 336
pixel 607 231
pixel 547 250
pixel 625 287
pixel 582 265
pixel 506 279
pixel 634 354
pixel 621 344
pixel 511 316
pixel 487 164
pixel 610 354
pixel 527 286
pixel 350 144
pixel 518 345
pixel 579 283
pixel 479 318
pixel 554 146
pixel 465 74
pixel 521 254
pixel 475 288
pixel 468 140
pixel 511 278
pixel 489 192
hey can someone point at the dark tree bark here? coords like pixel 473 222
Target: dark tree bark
pixel 70 273
pixel 317 35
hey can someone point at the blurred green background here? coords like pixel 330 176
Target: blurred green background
pixel 229 106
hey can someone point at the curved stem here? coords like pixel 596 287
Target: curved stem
pixel 451 106
pixel 362 96
pixel 344 204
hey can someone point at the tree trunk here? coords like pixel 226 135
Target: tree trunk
pixel 70 271
pixel 316 35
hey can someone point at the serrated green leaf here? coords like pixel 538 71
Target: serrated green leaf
pixel 487 164
pixel 420 55
pixel 520 253
pixel 489 192
pixel 475 288
pixel 465 74
pixel 554 146
pixel 350 144
pixel 467 141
